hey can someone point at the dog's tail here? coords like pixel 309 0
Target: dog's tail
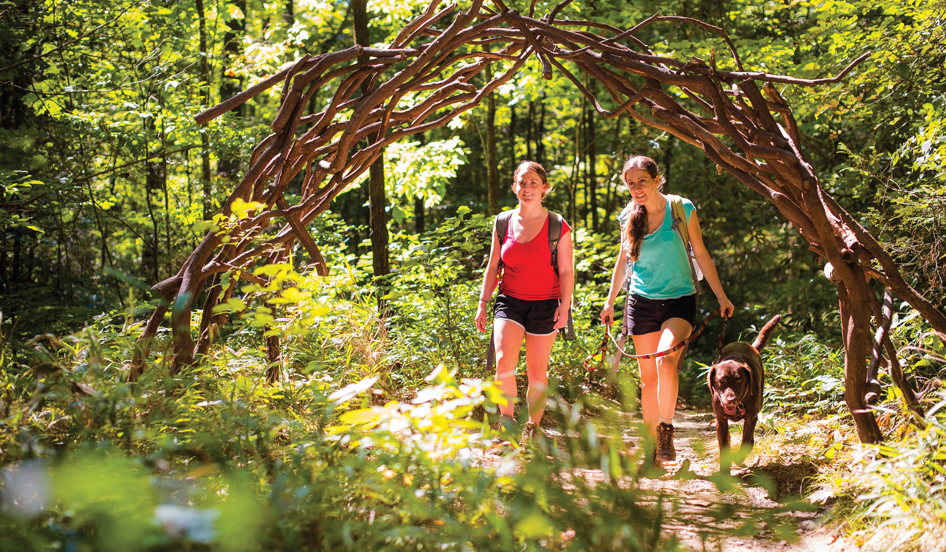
pixel 766 332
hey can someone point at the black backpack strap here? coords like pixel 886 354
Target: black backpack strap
pixel 502 225
pixel 555 234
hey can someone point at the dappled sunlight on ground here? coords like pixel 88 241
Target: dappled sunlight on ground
pixel 698 513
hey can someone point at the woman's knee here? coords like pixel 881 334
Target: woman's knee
pixel 538 371
pixel 667 364
pixel 649 379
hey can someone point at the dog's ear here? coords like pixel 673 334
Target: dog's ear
pixel 711 377
pixel 745 369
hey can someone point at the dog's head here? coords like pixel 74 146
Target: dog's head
pixel 729 382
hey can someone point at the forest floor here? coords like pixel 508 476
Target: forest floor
pixel 694 498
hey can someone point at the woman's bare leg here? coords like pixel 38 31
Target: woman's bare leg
pixel 507 336
pixel 672 332
pixel 538 349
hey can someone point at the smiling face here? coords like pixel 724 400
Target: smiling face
pixel 529 186
pixel 641 185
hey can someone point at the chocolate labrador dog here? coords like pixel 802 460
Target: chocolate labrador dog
pixel 735 384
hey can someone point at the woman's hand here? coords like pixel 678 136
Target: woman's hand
pixel 607 314
pixel 481 317
pixel 561 316
pixel 726 308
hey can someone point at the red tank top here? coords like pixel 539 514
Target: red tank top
pixel 527 267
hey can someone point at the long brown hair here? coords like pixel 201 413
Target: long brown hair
pixel 537 169
pixel 634 231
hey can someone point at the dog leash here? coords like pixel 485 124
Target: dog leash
pixel 599 356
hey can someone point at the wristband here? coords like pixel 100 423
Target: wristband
pixel 484 300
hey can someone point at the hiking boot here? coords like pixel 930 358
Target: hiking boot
pixel 504 427
pixel 665 450
pixel 529 432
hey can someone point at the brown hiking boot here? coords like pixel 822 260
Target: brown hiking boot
pixel 528 433
pixel 665 450
pixel 504 428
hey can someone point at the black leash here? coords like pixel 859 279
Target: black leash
pixel 599 356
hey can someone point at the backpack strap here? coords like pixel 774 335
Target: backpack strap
pixel 679 217
pixel 679 224
pixel 501 226
pixel 555 234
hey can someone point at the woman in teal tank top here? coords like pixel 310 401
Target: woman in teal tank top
pixel 661 298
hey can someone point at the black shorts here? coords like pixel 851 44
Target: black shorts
pixel 644 316
pixel 536 317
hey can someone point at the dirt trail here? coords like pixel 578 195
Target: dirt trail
pixel 696 497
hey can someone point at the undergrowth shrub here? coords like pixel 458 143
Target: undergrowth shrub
pixel 358 445
pixel 213 458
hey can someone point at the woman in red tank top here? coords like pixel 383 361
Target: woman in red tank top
pixel 533 299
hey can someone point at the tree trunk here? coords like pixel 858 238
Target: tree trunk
pixel 530 118
pixel 205 179
pixel 4 283
pixel 378 220
pixel 513 131
pixel 155 179
pixel 855 317
pixel 289 14
pixel 668 158
pixel 539 133
pixel 419 199
pixel 228 166
pixel 492 171
pixel 592 171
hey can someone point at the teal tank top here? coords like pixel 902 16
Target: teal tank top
pixel 663 270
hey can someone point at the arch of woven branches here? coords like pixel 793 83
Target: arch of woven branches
pixel 428 76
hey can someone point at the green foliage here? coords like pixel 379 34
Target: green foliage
pixel 360 445
pixel 906 486
pixel 804 376
pixel 101 195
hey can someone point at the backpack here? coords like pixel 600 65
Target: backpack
pixel 554 236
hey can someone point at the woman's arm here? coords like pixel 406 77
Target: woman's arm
pixel 489 281
pixel 618 276
pixel 566 279
pixel 706 264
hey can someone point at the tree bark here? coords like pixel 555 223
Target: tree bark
pixel 419 199
pixel 591 141
pixel 513 132
pixel 377 200
pixel 228 166
pixel 289 13
pixel 857 325
pixel 492 171
pixel 206 183
pixel 540 133
pixel 530 123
